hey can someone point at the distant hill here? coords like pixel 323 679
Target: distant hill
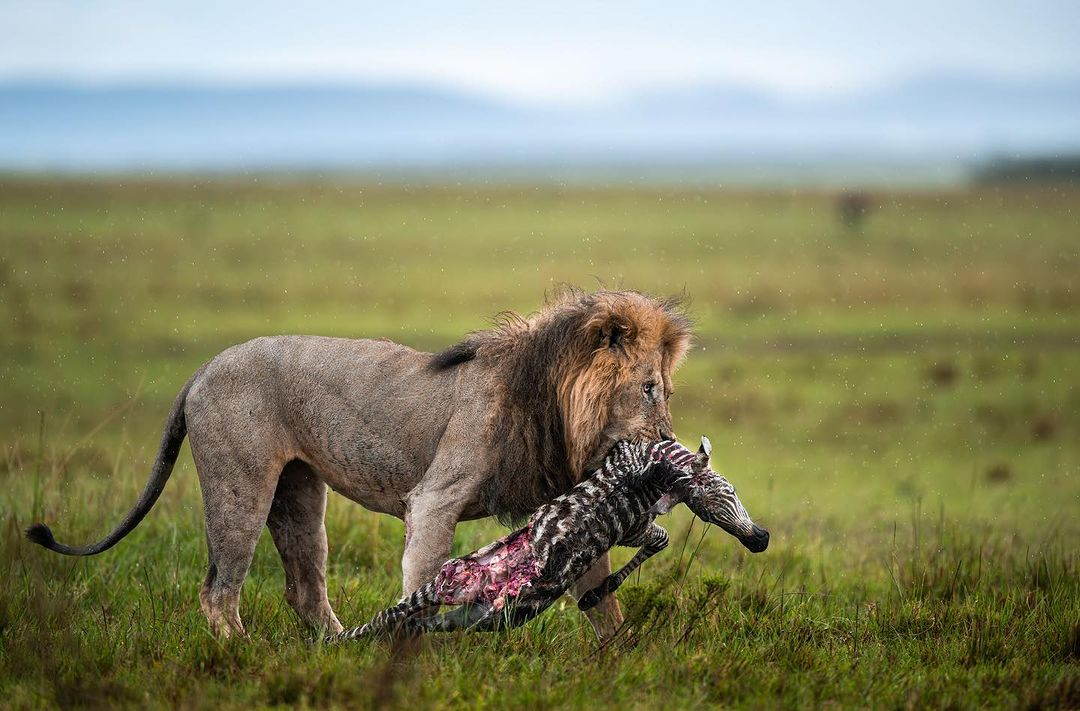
pixel 1057 169
pixel 943 121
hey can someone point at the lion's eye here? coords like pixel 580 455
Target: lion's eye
pixel 649 389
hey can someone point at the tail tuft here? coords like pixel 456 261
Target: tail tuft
pixel 40 534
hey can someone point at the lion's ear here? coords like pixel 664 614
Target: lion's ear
pixel 614 335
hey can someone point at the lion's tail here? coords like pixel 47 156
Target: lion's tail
pixel 171 439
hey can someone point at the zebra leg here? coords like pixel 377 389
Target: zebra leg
pixel 464 617
pixel 652 541
pixel 390 619
pixel 513 615
pixel 606 617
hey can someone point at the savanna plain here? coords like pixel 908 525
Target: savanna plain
pixel 897 399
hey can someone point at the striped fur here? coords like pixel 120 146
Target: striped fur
pixel 520 575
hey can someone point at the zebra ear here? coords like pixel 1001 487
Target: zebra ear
pixel 701 460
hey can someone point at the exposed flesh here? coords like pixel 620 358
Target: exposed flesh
pixel 490 575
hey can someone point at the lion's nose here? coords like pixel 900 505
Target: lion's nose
pixel 666 434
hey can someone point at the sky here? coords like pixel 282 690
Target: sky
pixel 548 53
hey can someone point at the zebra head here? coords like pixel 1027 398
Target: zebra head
pixel 712 498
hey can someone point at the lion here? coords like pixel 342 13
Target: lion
pixel 495 425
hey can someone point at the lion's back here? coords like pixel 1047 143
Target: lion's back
pixel 284 376
pixel 356 410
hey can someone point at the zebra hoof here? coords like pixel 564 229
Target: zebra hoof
pixel 589 600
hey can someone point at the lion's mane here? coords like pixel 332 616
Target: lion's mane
pixel 555 372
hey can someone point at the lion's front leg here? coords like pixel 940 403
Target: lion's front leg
pixel 432 511
pixel 606 616
pixel 429 536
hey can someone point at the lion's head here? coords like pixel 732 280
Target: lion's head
pixel 585 371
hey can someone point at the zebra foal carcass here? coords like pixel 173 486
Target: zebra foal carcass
pixel 520 575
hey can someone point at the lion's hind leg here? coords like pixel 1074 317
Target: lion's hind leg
pixel 206 592
pixel 296 525
pixel 237 476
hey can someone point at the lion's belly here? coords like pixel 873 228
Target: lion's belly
pixel 381 488
pixel 366 458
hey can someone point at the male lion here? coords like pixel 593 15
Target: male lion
pixel 496 425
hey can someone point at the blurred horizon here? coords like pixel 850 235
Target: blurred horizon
pixel 836 94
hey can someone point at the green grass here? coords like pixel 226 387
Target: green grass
pixel 899 405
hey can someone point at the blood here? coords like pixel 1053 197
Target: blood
pixel 499 574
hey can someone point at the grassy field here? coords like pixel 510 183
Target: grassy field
pixel 899 404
